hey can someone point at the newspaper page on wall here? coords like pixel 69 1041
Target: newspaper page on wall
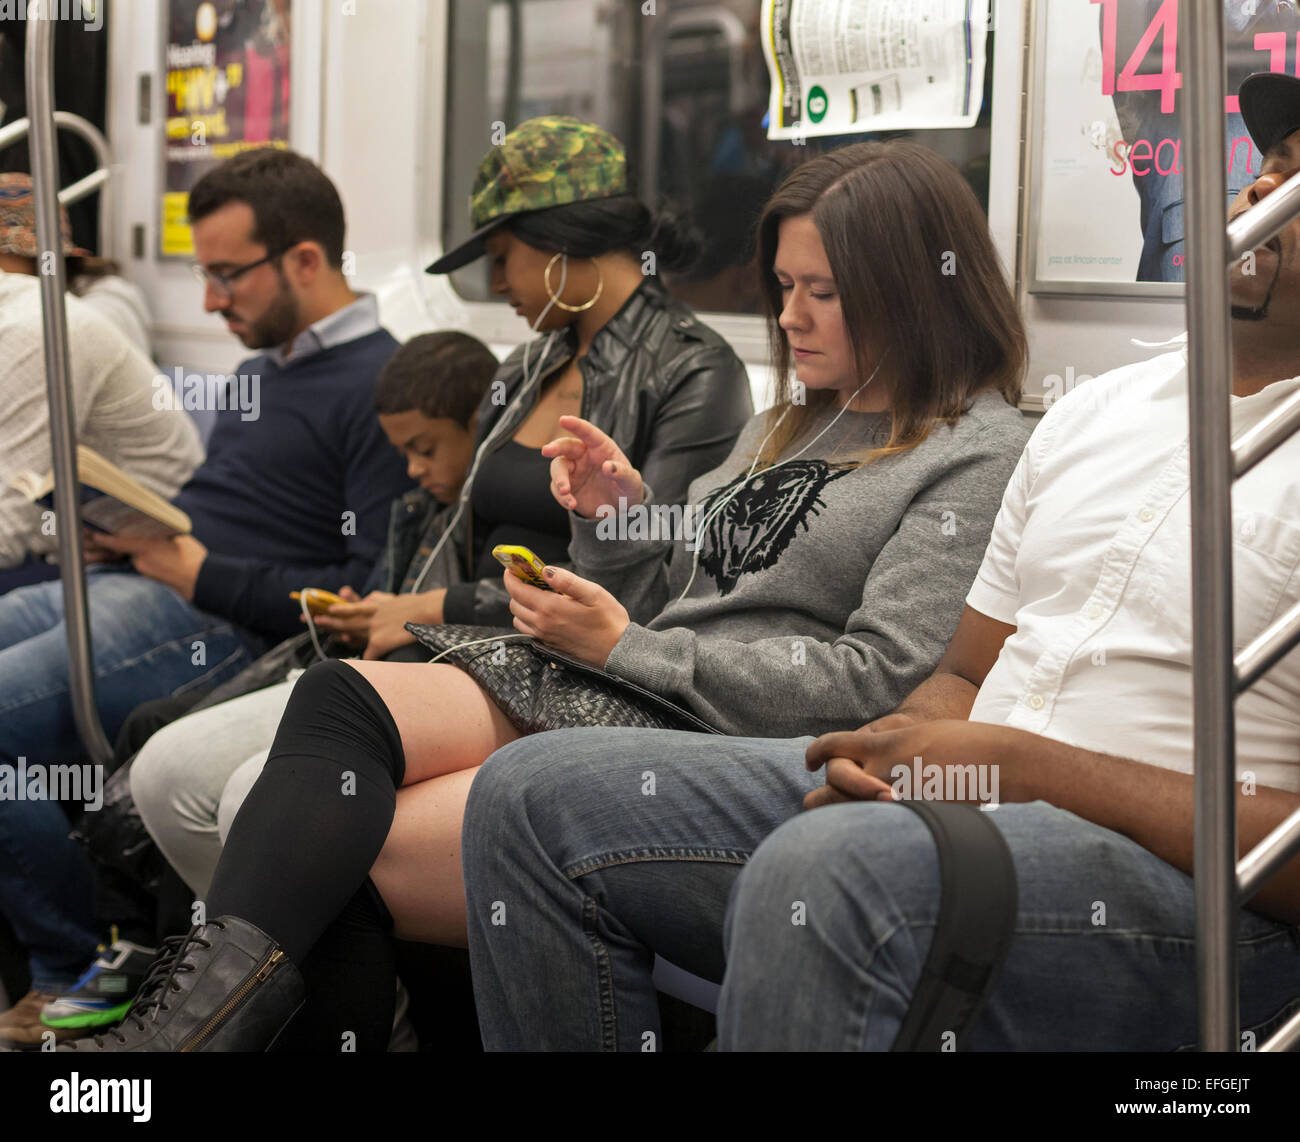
pixel 842 67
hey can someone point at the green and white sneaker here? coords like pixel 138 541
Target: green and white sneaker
pixel 101 996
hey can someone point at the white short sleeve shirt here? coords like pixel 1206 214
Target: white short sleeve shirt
pixel 1090 560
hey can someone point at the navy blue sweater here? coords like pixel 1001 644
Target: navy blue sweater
pixel 299 496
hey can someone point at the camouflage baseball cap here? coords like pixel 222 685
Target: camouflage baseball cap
pixel 553 160
pixel 18 219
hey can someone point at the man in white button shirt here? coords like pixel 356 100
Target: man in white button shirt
pixel 1068 688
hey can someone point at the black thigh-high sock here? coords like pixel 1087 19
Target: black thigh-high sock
pixel 307 834
pixel 350 978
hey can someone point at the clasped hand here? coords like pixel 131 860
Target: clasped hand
pixel 860 764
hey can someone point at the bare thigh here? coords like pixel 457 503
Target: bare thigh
pixel 418 872
pixel 446 721
pixel 449 727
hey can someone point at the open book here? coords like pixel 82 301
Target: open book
pixel 111 500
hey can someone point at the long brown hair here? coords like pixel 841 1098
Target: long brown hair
pixel 918 278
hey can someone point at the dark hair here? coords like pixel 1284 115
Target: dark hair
pixel 292 199
pixel 918 276
pixel 90 267
pixel 600 225
pixel 442 375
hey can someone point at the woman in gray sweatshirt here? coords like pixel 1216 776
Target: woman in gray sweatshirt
pixel 826 572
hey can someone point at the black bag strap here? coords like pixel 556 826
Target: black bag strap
pixel 977 916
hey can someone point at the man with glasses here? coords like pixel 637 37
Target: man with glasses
pixel 294 493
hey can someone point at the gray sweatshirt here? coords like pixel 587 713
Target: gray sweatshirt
pixel 825 592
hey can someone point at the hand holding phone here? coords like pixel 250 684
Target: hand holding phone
pixel 318 600
pixel 523 562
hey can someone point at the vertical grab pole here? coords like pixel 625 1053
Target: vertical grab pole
pixel 1209 366
pixel 58 383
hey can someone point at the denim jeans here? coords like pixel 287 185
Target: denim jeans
pixel 586 852
pixel 144 639
pixel 1103 957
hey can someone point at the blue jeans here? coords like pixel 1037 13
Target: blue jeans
pixel 586 852
pixel 148 642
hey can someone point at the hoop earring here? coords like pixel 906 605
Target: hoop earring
pixel 600 286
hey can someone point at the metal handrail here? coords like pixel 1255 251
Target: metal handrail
pixel 1252 446
pixel 1266 649
pixel 1249 231
pixel 99 179
pixel 1222 883
pixel 1267 856
pixel 58 386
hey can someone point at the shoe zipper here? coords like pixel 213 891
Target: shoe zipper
pixel 259 976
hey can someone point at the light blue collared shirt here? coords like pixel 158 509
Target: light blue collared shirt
pixel 346 324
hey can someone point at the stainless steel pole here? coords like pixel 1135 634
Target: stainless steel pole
pixel 1209 366
pixel 58 384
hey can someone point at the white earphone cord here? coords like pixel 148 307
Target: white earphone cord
pixel 712 513
pixel 479 453
pixel 491 437
pixel 524 390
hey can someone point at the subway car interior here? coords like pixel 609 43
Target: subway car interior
pixel 319 735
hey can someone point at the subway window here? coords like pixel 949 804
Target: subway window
pixel 685 89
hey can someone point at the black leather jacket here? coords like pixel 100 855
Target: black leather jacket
pixel 665 387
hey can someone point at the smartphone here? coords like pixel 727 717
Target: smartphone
pixel 523 563
pixel 318 600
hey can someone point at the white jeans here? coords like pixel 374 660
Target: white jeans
pixel 191 777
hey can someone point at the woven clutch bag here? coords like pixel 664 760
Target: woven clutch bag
pixel 539 688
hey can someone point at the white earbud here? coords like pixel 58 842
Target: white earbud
pixel 524 390
pixel 712 513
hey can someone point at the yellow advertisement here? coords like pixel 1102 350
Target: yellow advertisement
pixel 227 83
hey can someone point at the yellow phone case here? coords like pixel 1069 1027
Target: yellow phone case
pixel 523 563
pixel 318 600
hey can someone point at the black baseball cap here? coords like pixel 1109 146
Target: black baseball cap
pixel 1270 105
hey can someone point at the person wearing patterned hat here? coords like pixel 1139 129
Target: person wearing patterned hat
pixel 18 220
pixel 577 255
pixel 96 281
pixel 112 388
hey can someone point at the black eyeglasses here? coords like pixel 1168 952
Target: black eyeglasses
pixel 221 282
